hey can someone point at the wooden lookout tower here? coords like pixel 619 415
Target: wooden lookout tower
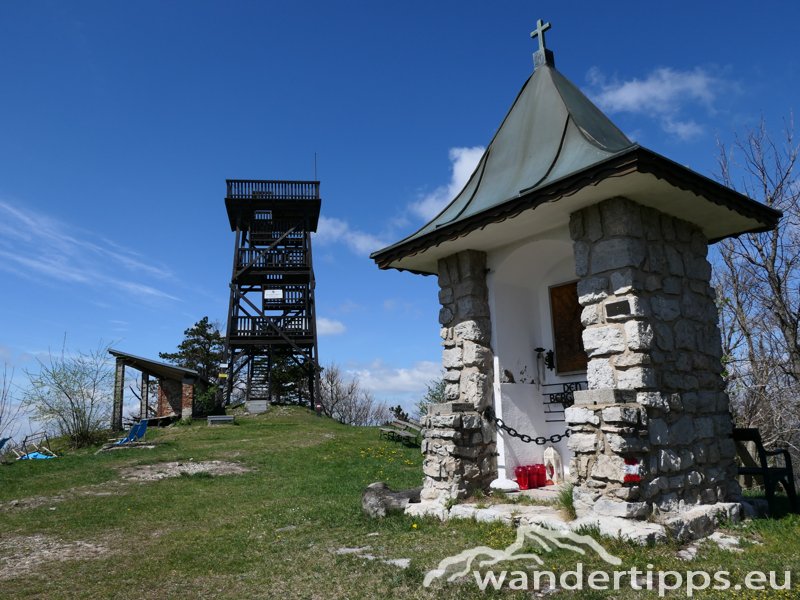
pixel 271 318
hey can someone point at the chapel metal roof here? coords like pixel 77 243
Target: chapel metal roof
pixel 554 140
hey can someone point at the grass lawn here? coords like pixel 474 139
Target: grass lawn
pixel 76 527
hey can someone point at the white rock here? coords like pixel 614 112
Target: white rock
pixel 504 485
pixel 639 532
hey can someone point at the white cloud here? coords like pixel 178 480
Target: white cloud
pixel 36 245
pixel 384 380
pixel 664 94
pixel 332 230
pixel 329 326
pixel 684 130
pixel 463 163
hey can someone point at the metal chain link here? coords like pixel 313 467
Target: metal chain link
pixel 523 437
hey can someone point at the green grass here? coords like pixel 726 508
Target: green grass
pixel 273 532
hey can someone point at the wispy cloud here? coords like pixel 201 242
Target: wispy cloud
pixel 329 326
pixel 666 94
pixel 385 380
pixel 332 230
pixel 462 163
pixel 35 245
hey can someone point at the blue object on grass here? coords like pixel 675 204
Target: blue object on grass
pixel 137 432
pixel 35 456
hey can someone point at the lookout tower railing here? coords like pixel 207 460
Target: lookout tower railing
pixel 259 189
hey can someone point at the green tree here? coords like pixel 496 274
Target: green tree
pixel 202 350
pixel 399 414
pixel 434 394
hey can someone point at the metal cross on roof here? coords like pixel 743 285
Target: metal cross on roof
pixel 542 56
pixel 541 27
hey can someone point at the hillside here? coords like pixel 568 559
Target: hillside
pixel 279 517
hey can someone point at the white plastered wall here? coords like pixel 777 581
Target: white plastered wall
pixel 519 279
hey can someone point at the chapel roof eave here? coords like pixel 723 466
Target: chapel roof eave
pixel 157 368
pixel 635 159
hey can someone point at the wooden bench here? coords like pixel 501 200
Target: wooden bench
pixel 220 419
pixel 401 431
pixel 759 466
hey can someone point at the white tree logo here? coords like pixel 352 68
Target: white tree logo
pixel 484 556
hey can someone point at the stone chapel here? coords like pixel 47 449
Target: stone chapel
pixel 577 307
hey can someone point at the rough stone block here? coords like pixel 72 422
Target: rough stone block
pixel 445 295
pixel 452 375
pixel 451 392
pixel 617 253
pixel 666 309
pixel 606 395
pixel 584 442
pixel 445 315
pixel 685 335
pixel 687 458
pixel 581 253
pixel 704 427
pixel 625 444
pixel 621 216
pixel 654 400
pixel 668 461
pixel 652 283
pixel 590 315
pixel 578 415
pixel 604 340
pixel 625 281
pixel 672 285
pixel 452 421
pixel 472 306
pixel 639 335
pixel 471 421
pixel 627 510
pixel 658 432
pixel 674 260
pixel 631 414
pixel 473 330
pixel 592 290
pixel 609 467
pixel 636 378
pixel 451 358
pixel 583 498
pixel 698 268
pixel 475 354
pixel 631 359
pixel 600 373
pixel 656 260
pixel 694 478
pixel 682 431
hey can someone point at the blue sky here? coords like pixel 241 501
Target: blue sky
pixel 120 121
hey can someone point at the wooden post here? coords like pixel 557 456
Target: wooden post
pixel 119 391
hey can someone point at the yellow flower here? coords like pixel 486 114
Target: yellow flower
pixel 413 526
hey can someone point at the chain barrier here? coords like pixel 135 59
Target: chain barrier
pixel 523 437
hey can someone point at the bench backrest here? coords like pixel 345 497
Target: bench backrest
pixel 406 425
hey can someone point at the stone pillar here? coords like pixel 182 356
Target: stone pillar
pixel 653 432
pixel 459 451
pixel 466 329
pixel 458 444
